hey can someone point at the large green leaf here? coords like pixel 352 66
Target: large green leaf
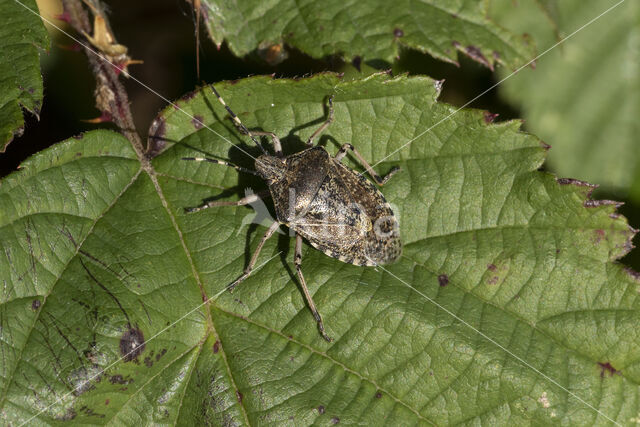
pixel 584 95
pixel 22 34
pixel 373 30
pixel 506 306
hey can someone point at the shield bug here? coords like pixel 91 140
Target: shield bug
pixel 337 210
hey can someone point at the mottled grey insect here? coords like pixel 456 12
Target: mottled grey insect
pixel 333 207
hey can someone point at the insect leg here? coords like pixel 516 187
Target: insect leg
pixel 244 201
pixel 254 258
pixel 303 283
pixel 277 146
pixel 237 121
pixel 221 162
pixel 374 175
pixel 324 125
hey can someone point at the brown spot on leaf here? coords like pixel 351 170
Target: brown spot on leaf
pixel 156 141
pixel 492 267
pixel 599 236
pixel 131 344
pixel 443 280
pixel 67 416
pixel 90 412
pixel 118 379
pixel 397 32
pixel 493 280
pixel 321 409
pixel 335 420
pixel 239 396
pixel 106 402
pixel 160 354
pixel 216 346
pixel 197 122
pixel 36 304
pixel 378 395
pixel 607 368
pixel 148 362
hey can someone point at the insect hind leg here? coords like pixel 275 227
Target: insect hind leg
pixel 244 201
pixel 324 125
pixel 254 258
pixel 305 290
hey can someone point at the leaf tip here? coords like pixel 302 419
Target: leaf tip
pixel 474 53
pixel 438 84
pixel 633 274
pixel 489 117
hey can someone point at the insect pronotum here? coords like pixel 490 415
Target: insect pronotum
pixel 334 208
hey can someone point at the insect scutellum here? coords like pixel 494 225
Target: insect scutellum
pixel 335 209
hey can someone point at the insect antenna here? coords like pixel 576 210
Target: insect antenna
pixel 237 121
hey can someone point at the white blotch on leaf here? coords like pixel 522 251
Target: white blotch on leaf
pixel 544 400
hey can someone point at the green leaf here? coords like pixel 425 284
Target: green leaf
pixel 22 34
pixel 506 307
pixel 372 30
pixel 583 95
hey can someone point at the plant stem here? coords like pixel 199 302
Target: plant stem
pixel 111 97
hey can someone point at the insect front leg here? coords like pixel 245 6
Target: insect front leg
pixel 244 201
pixel 277 146
pixel 303 283
pixel 254 258
pixel 380 180
pixel 324 125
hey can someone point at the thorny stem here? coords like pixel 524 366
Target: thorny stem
pixel 111 97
